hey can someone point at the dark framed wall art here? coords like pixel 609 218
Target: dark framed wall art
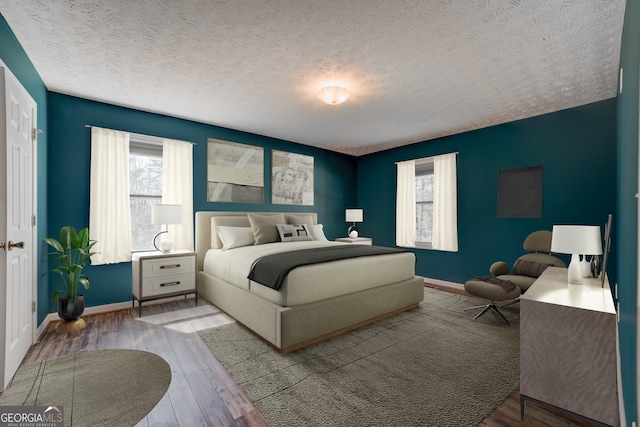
pixel 520 192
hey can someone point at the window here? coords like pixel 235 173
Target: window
pixel 424 202
pixel 145 183
pixel 130 173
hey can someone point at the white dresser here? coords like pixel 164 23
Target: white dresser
pixel 568 347
pixel 157 275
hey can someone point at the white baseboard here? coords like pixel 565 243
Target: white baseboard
pixel 442 282
pixel 106 308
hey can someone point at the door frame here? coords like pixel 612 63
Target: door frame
pixel 34 196
pixel 637 379
pixel 34 218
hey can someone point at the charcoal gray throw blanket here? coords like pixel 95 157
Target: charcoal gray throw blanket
pixel 271 270
pixel 504 284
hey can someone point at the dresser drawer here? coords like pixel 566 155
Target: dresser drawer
pixel 167 285
pixel 163 267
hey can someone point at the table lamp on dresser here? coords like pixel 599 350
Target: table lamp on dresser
pixel 576 240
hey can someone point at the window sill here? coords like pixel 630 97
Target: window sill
pixel 424 245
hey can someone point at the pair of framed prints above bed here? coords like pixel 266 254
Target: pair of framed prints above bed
pixel 235 174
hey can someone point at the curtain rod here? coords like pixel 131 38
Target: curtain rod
pixel 435 155
pixel 138 134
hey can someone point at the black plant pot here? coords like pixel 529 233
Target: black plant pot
pixel 70 308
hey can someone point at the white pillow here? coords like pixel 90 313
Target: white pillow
pixel 317 232
pixel 293 232
pixel 234 237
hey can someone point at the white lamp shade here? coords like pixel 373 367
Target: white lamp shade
pixel 576 239
pixel 354 215
pixel 166 214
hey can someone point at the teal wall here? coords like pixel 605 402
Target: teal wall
pixel 69 160
pixel 568 144
pixel 15 58
pixel 627 218
pixel 576 148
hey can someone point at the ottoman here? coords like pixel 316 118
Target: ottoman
pixel 493 289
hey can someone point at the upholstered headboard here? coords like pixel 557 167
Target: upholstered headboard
pixel 206 240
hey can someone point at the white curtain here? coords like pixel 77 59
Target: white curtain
pixel 109 211
pixel 406 204
pixel 445 203
pixel 177 188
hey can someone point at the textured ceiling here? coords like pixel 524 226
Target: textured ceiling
pixel 417 70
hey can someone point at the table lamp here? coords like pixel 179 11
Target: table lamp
pixel 353 216
pixel 165 214
pixel 576 240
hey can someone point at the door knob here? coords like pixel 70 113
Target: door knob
pixel 12 245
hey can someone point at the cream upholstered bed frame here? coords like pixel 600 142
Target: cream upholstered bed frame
pixel 290 328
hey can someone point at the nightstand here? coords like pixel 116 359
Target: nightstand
pixel 357 240
pixel 156 275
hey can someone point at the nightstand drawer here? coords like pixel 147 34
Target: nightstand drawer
pixel 163 267
pixel 168 284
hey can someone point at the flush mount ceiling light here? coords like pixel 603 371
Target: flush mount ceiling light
pixel 334 93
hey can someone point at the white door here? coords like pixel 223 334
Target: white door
pixel 17 314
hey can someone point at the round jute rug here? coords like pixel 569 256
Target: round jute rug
pixel 94 388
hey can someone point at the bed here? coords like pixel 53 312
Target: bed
pixel 314 301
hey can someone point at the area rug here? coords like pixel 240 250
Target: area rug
pixel 431 366
pixel 94 388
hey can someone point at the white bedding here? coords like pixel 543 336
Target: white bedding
pixel 312 282
pixel 234 265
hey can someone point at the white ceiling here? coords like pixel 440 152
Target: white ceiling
pixel 418 69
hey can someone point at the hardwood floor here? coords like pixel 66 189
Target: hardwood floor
pixel 202 393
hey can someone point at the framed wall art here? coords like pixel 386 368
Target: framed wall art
pixel 291 178
pixel 235 172
pixel 520 192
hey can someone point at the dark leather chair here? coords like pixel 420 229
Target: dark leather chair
pixel 528 267
pixel 503 285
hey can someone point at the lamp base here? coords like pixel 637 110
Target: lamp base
pixel 165 244
pixel 585 266
pixel 575 270
pixel 352 231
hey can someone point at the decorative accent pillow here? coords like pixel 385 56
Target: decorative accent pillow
pixel 293 232
pixel 305 219
pixel 235 237
pixel 529 268
pixel 317 232
pixel 264 227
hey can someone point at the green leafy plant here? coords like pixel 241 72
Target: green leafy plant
pixel 72 252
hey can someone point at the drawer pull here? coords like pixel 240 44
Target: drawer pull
pixel 170 266
pixel 169 284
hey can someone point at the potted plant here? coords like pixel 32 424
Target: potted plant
pixel 71 252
